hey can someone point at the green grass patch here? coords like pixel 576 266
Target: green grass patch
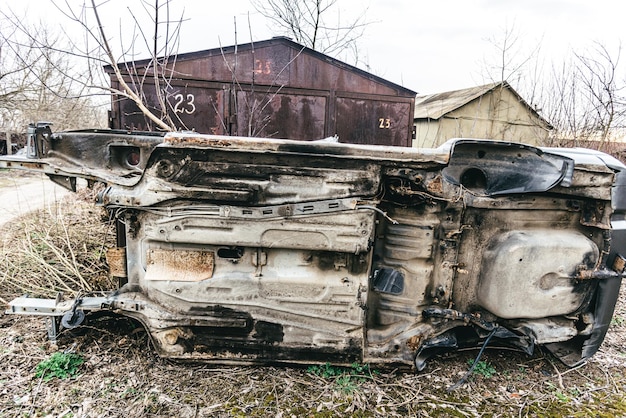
pixel 483 368
pixel 618 320
pixel 347 379
pixel 59 365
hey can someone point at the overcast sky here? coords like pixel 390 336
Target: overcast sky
pixel 426 46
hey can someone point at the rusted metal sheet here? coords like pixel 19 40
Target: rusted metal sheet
pixel 272 115
pixel 196 107
pixel 179 265
pixel 116 259
pixel 273 89
pixel 375 122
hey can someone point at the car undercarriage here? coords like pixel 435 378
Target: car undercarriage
pixel 247 250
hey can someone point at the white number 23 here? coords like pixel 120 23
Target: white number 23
pixel 184 106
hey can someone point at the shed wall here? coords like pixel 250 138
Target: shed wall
pixel 276 91
pixel 496 115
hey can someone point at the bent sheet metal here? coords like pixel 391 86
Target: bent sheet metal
pixel 253 250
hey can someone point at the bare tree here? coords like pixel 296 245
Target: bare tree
pixel 159 70
pixel 317 24
pixel 512 62
pixel 33 86
pixel 581 96
pixel 564 104
pixel 597 73
pixel 560 103
pixel 92 52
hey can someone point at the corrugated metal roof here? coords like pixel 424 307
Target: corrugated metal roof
pixel 434 106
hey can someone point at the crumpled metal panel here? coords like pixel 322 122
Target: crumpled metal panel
pixel 251 250
pixel 494 170
pixel 343 232
pixel 507 294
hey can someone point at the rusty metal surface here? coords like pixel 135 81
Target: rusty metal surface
pixel 274 89
pixel 259 250
pixel 179 265
pixel 116 259
pixel 370 121
pixel 193 107
pixel 270 115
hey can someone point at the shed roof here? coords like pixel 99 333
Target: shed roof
pixel 434 106
pixel 276 42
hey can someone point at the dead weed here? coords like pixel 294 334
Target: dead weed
pixel 122 377
pixel 58 249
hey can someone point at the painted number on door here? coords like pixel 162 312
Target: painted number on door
pixel 262 67
pixel 384 123
pixel 184 104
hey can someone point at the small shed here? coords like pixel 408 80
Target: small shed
pixel 491 111
pixel 274 89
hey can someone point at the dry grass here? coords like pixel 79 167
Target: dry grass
pixel 59 249
pixel 122 377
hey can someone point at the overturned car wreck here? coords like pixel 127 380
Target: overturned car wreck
pixel 252 250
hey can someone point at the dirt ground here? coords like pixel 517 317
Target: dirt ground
pixel 22 192
pixel 122 377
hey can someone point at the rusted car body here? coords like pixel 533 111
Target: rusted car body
pixel 253 250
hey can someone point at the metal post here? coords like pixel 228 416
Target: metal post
pixel 9 146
